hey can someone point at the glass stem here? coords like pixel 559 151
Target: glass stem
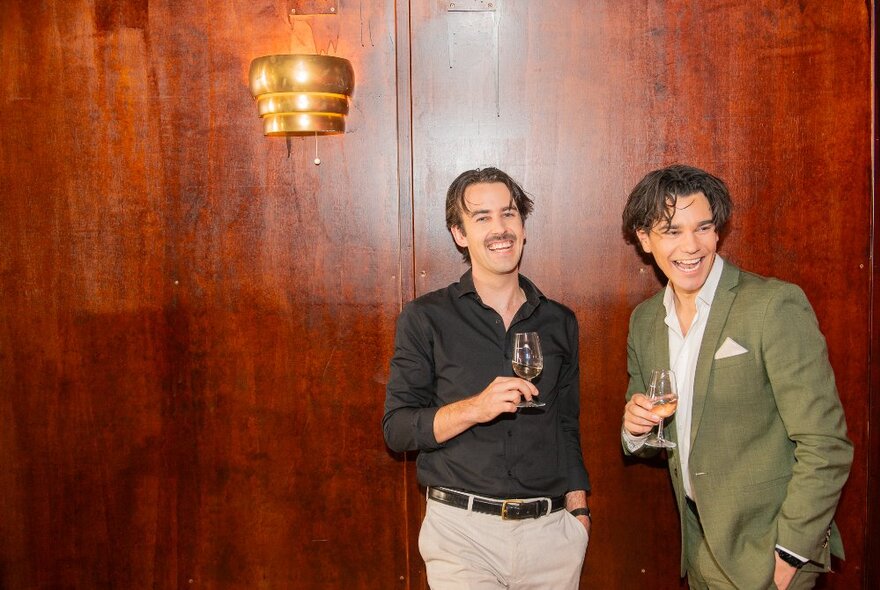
pixel 660 430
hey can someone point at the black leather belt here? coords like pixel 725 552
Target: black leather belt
pixel 506 509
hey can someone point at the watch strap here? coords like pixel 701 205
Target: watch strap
pixel 789 558
pixel 582 512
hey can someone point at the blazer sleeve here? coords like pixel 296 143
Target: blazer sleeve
pixel 636 376
pixel 802 381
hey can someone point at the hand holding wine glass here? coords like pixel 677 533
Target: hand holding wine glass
pixel 528 361
pixel 663 395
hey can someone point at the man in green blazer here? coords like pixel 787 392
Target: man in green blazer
pixel 762 451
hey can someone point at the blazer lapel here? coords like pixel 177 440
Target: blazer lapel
pixel 660 343
pixel 659 347
pixel 723 300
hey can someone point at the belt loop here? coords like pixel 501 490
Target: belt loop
pixel 549 506
pixel 470 507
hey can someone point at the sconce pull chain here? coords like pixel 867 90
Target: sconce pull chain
pixel 317 159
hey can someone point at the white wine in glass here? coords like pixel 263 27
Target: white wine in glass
pixel 528 361
pixel 663 395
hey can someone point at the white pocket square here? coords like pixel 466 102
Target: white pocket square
pixel 729 348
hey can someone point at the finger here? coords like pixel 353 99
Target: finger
pixel 642 402
pixel 508 397
pixel 524 396
pixel 637 430
pixel 507 402
pixel 524 388
pixel 507 383
pixel 638 424
pixel 647 420
pixel 639 412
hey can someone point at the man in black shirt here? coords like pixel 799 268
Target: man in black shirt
pixel 506 487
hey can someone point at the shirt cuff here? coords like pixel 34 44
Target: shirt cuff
pixel 792 553
pixel 424 429
pixel 634 443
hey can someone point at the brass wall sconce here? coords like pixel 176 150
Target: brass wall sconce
pixel 300 94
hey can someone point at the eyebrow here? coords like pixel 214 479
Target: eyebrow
pixel 477 212
pixel 511 206
pixel 699 224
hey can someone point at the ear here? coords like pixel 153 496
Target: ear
pixel 644 240
pixel 459 236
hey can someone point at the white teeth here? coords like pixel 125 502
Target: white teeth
pixel 687 264
pixel 500 245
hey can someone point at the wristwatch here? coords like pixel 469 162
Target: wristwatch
pixel 790 559
pixel 582 512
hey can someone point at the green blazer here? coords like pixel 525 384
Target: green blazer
pixel 769 452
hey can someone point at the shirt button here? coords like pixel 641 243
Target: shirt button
pixel 497 321
pixel 509 433
pixel 510 474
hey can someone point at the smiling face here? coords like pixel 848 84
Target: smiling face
pixel 491 229
pixel 684 249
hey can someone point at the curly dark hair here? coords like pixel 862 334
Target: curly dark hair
pixel 653 198
pixel 455 203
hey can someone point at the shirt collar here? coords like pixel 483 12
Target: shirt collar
pixel 465 286
pixel 707 292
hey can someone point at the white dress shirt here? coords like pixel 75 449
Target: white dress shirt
pixel 684 349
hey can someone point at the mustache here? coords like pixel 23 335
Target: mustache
pixel 498 237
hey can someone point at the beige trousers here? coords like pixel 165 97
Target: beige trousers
pixel 472 551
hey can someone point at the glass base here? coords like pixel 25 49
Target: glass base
pixel 532 404
pixel 660 443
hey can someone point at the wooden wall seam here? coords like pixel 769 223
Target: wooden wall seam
pixel 872 521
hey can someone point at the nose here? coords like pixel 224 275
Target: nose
pixel 499 225
pixel 689 242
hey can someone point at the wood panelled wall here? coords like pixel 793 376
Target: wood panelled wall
pixel 197 321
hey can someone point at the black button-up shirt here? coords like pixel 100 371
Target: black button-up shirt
pixel 450 346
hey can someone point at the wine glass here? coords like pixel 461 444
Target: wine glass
pixel 664 398
pixel 527 361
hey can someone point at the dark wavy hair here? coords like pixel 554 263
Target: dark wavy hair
pixel 455 203
pixel 653 198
